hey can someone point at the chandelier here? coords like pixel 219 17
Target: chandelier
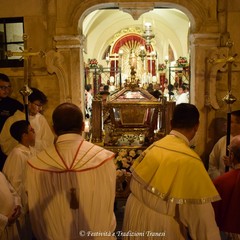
pixel 148 35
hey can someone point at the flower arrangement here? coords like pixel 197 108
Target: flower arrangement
pixel 124 161
pixel 161 67
pixel 182 62
pixel 93 63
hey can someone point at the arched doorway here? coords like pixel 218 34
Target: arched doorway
pixel 203 38
pixel 121 32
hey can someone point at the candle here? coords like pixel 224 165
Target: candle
pixel 87 127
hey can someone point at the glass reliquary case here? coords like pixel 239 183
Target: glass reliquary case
pixel 130 117
pixel 133 117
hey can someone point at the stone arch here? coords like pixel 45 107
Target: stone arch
pixel 196 12
pixel 203 34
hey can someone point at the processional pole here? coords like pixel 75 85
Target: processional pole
pixel 229 99
pixel 26 55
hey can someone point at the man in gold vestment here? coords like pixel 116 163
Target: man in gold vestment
pixel 171 190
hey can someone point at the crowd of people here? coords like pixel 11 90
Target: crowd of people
pixel 56 185
pixel 177 93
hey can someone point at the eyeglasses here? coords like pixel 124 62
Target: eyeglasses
pixel 38 105
pixel 5 87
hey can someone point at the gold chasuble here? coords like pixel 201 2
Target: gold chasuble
pixel 170 169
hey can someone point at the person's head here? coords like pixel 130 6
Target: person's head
pixel 106 88
pixel 185 119
pixel 156 86
pixel 185 87
pixel 23 133
pixel 88 87
pixel 5 86
pixel 180 89
pixel 234 150
pixel 235 123
pixel 67 118
pixel 170 88
pixel 36 101
pixel 156 94
pixel 104 95
pixel 101 87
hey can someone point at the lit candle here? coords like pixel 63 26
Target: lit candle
pixel 86 129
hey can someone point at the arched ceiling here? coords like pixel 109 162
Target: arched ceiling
pixel 170 26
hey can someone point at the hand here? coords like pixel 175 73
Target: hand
pixel 16 213
pixel 226 160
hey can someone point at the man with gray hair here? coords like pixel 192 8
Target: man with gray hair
pixel 227 211
pixel 217 158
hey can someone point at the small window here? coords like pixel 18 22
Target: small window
pixel 11 39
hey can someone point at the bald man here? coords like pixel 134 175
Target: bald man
pixel 227 210
pixel 71 185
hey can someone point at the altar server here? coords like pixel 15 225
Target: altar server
pixel 44 136
pixel 15 169
pixel 10 210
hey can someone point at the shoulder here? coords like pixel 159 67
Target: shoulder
pixel 175 145
pixel 95 148
pixel 18 115
pixel 222 139
pixel 13 100
pixel 227 178
pixel 220 142
pixel 2 178
pixel 14 103
pixel 39 118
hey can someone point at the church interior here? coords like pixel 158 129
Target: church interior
pixel 60 46
pixel 63 41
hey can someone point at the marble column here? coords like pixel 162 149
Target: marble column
pixel 203 86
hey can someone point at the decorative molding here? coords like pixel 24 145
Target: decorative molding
pixel 67 41
pixel 212 70
pixel 136 9
pixel 55 64
pixel 83 43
